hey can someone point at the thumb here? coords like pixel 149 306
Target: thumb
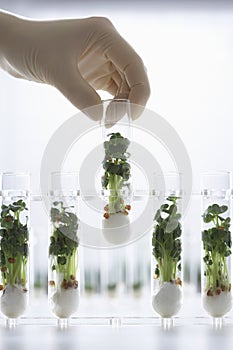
pixel 77 90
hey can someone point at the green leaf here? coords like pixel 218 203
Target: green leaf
pixel 172 199
pixel 56 203
pixel 171 225
pixel 214 209
pixel 61 260
pixel 172 209
pixel 223 209
pixel 157 215
pixel 157 271
pixel 3 232
pixel 164 207
pixel 105 180
pixel 208 217
pixel 54 214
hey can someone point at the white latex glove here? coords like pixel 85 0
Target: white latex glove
pixel 77 56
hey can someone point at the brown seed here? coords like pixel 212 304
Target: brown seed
pixel 106 215
pixel 11 260
pixel 218 291
pixel 72 277
pixel 3 269
pixel 64 283
pixel 125 212
pixel 69 284
pixel 25 290
pixel 1 287
pixel 51 283
pixel 209 293
pixel 128 207
pixel 223 288
pixel 106 208
pixel 179 282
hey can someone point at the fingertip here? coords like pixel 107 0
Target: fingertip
pixel 138 97
pixel 136 111
pixel 94 112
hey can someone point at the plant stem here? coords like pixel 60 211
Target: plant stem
pixel 166 268
pixel 115 198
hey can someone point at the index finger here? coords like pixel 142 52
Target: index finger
pixel 131 65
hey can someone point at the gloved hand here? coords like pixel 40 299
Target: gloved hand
pixel 77 56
